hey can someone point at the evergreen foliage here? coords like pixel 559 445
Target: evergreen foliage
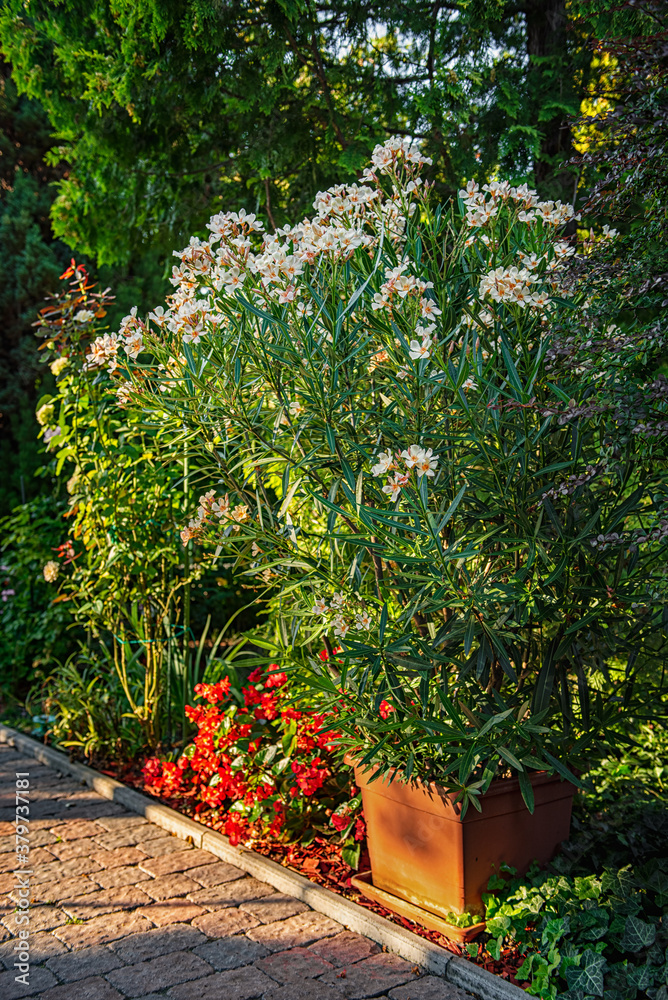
pixel 32 261
pixel 165 111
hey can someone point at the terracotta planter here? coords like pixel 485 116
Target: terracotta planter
pixel 423 852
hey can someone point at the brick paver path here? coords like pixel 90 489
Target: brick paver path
pixel 121 910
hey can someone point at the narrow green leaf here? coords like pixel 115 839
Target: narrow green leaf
pixel 512 371
pixel 383 623
pixel 510 758
pixel 358 490
pixel 526 789
pixel 451 509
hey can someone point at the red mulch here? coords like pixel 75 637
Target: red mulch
pixel 321 862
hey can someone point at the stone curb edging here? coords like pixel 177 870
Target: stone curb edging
pixel 404 943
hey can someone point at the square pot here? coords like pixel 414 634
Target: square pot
pixel 422 851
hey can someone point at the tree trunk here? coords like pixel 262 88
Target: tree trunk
pixel 551 71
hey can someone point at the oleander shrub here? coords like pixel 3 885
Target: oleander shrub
pixel 397 454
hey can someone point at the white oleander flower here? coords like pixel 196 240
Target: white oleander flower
pixel 393 487
pixel 364 620
pixel 341 627
pixel 384 463
pixel 412 455
pixel 420 351
pixel 427 464
pixel 134 345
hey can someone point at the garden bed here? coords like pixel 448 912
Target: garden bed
pixel 566 917
pixel 321 863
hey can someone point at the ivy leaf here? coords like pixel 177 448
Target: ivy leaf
pixel 639 976
pixel 588 976
pixel 555 929
pixel 638 934
pixel 619 884
pixel 658 883
pixel 594 923
pixel 587 887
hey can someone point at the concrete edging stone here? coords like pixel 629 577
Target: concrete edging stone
pixel 404 943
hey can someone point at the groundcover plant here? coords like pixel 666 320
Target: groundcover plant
pixel 593 923
pixel 396 455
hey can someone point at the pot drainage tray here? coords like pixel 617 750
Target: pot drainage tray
pixel 462 935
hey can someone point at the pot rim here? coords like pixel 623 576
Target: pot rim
pixel 499 786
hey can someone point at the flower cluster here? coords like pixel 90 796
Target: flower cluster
pixel 345 200
pixel 399 467
pixel 394 153
pixel 50 571
pixel 212 508
pixel 104 350
pixel 399 287
pixel 239 256
pixel 45 414
pixel 482 204
pixel 258 767
pixel 336 610
pixel 513 285
pixel 267 272
pixel 59 365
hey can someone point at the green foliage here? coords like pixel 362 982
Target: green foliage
pixel 32 262
pixel 85 708
pixel 125 567
pixel 33 623
pixel 471 593
pixel 593 924
pixel 624 150
pixel 639 775
pixel 162 111
pixel 589 936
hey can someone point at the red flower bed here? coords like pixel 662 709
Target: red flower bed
pixel 264 771
pixel 261 768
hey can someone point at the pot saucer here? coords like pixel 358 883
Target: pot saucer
pixel 362 882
